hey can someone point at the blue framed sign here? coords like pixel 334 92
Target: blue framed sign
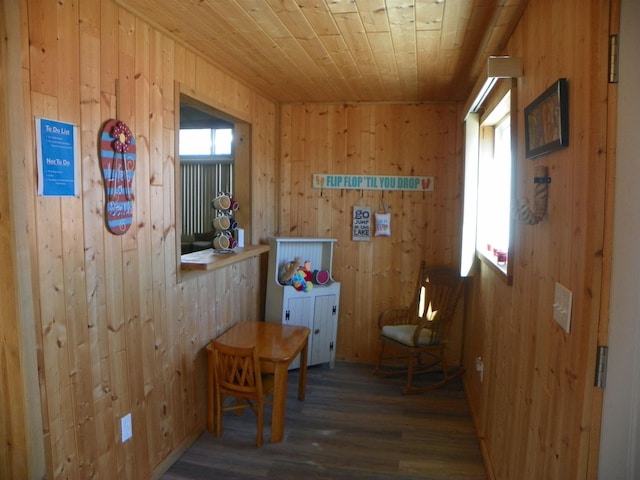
pixel 57 155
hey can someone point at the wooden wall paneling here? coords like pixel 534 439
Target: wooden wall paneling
pixel 370 139
pixel 412 207
pixel 116 333
pixel 115 340
pixel 167 72
pixel 156 108
pixel 342 204
pixel 165 238
pixel 383 265
pixel 170 165
pixel 596 253
pixel 89 20
pixel 180 383
pixel 53 327
pixel 93 220
pixel 315 130
pixel 14 458
pixel 112 338
pixel 264 173
pixel 126 85
pixel 109 40
pixel 159 314
pixel 17 142
pixel 177 381
pixel 598 416
pixel 42 48
pixel 550 391
pixel 292 224
pixel 103 278
pixel 348 271
pixel 137 453
pixel 244 177
pixel 285 201
pixel 71 211
pixel 306 209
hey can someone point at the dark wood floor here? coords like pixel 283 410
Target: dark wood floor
pixel 351 425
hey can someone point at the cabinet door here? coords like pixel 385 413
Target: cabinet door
pixel 299 311
pixel 323 348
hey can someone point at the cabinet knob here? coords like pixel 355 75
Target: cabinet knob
pixel 316 331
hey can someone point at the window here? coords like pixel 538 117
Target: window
pixel 213 152
pixel 488 224
pixel 205 144
pixel 206 167
pixel 494 185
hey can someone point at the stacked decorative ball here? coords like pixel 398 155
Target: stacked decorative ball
pixel 224 223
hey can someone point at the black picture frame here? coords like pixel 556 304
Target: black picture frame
pixel 546 121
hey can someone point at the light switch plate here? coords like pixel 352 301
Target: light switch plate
pixel 125 424
pixel 562 306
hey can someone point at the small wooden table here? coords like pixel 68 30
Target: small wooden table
pixel 277 345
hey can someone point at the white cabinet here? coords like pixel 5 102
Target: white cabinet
pixel 316 309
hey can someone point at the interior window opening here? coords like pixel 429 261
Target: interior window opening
pixel 206 153
pixel 494 185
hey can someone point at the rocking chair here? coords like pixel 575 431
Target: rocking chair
pixel 420 331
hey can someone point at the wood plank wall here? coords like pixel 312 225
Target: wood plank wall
pixel 535 404
pixel 116 331
pixel 13 423
pixel 373 139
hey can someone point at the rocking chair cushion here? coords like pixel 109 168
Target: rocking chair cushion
pixel 404 334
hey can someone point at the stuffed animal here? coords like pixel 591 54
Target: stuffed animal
pixel 300 283
pixel 297 275
pixel 288 271
pixel 320 277
pixel 302 277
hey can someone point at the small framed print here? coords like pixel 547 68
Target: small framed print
pixel 361 231
pixel 546 121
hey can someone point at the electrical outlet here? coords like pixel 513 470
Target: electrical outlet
pixel 562 306
pixel 125 427
pixel 480 367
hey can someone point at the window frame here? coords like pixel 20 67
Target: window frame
pixel 241 152
pixel 474 145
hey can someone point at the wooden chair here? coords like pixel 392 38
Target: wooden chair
pixel 236 372
pixel 419 332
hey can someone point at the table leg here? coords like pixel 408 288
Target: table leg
pixel 279 401
pixel 210 391
pixel 302 374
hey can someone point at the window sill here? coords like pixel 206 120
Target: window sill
pixel 208 260
pixel 501 270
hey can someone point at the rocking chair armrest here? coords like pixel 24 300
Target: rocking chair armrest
pixel 394 316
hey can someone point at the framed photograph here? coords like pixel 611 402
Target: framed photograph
pixel 546 121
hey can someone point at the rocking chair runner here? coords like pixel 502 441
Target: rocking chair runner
pixel 421 330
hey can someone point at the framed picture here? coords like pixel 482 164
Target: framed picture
pixel 546 121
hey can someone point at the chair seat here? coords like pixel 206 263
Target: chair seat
pixel 404 334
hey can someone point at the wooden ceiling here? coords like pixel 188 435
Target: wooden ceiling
pixel 342 50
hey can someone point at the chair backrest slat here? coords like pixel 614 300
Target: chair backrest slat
pixel 439 290
pixel 238 370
